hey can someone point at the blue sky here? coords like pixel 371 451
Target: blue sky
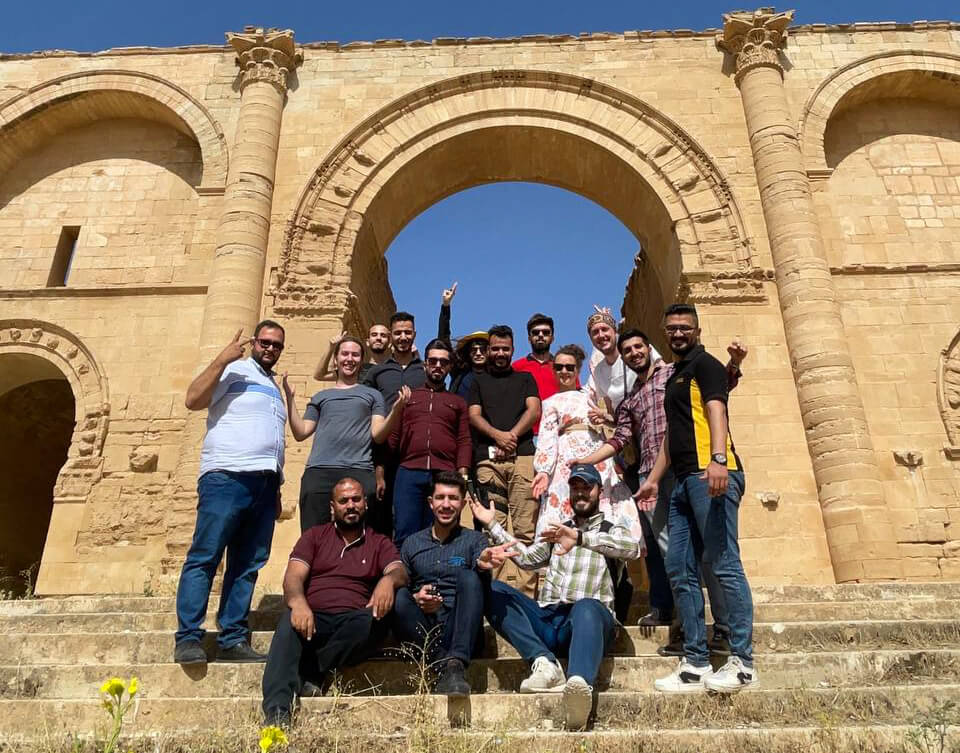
pixel 561 253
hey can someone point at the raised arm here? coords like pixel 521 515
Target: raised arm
pixel 381 427
pixel 324 369
pixel 529 557
pixel 443 324
pixel 300 427
pixel 201 389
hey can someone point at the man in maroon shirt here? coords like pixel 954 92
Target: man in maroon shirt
pixel 434 435
pixel 339 587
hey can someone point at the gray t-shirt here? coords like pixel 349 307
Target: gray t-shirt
pixel 342 438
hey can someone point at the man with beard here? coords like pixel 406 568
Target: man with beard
pixel 433 435
pixel 703 511
pixel 640 418
pixel 446 593
pixel 539 362
pixel 504 406
pixel 403 367
pixel 339 587
pixel 241 469
pixel 574 610
pixel 378 346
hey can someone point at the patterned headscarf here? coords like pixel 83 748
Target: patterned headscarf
pixel 601 315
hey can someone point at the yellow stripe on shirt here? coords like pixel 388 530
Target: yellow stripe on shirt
pixel 701 430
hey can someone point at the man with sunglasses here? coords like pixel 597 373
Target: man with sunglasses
pixel 434 435
pixel 539 361
pixel 241 469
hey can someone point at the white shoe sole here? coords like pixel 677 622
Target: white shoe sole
pixel 554 689
pixel 730 689
pixel 698 688
pixel 577 704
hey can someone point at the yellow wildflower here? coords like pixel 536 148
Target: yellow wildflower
pixel 133 687
pixel 114 686
pixel 270 737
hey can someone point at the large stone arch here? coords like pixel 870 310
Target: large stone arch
pixel 500 125
pixel 68 355
pixel 40 113
pixel 904 73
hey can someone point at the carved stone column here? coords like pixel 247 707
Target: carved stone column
pixel 861 538
pixel 235 293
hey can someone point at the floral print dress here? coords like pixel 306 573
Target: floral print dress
pixel 563 438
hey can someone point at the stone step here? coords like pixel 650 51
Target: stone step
pixel 266 619
pixel 394 677
pixel 345 715
pixel 861 592
pixel 152 647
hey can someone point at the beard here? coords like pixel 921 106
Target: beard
pixel 348 526
pixel 539 349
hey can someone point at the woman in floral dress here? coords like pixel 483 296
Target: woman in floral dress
pixel 565 435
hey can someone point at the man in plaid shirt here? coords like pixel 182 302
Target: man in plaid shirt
pixel 575 610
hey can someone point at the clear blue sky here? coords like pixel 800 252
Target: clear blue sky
pixel 577 252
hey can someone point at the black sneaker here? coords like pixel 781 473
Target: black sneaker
pixel 452 682
pixel 189 652
pixel 242 653
pixel 310 690
pixel 719 643
pixel 278 717
pixel 655 617
pixel 674 645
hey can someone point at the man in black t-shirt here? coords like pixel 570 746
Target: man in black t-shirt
pixel 703 511
pixel 504 406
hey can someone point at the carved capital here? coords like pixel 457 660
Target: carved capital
pixel 265 55
pixel 754 38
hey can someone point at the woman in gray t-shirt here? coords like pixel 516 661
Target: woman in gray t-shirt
pixel 344 420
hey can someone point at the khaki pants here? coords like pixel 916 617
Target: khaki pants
pixel 508 484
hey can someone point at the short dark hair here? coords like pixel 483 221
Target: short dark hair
pixel 268 324
pixel 438 344
pixel 401 316
pixel 575 352
pixel 500 330
pixel 629 335
pixel 682 309
pixel 538 318
pixel 449 478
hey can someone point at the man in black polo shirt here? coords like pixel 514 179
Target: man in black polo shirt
pixel 339 587
pixel 446 591
pixel 504 406
pixel 703 511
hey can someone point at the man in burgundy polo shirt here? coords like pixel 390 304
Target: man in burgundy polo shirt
pixel 539 361
pixel 339 587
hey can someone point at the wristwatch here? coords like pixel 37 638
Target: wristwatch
pixel 719 458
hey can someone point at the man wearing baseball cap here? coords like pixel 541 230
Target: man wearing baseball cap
pixel 575 610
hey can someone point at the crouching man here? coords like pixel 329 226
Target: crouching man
pixel 447 565
pixel 339 587
pixel 575 611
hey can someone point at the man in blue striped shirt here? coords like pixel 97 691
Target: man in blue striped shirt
pixel 241 470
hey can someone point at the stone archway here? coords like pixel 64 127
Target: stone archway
pixel 45 353
pixel 546 127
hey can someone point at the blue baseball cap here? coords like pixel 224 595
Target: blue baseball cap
pixel 587 473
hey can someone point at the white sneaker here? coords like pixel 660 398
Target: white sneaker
pixel 732 677
pixel 547 677
pixel 577 702
pixel 684 679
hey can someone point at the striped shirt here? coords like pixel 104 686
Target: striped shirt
pixel 245 422
pixel 581 573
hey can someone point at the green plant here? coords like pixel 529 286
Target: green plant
pixel 113 693
pixel 929 735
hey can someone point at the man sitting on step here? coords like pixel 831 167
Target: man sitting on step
pixel 575 611
pixel 339 586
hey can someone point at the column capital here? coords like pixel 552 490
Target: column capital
pixel 755 38
pixel 265 55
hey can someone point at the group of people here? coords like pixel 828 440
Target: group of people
pixel 465 486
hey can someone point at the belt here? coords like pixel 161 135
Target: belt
pixel 573 427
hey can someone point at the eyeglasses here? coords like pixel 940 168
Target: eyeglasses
pixel 438 361
pixel 478 348
pixel 270 345
pixel 673 329
pixel 565 367
pixel 545 331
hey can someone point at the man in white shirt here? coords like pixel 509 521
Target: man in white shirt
pixel 241 470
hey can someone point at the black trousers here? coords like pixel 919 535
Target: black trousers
pixel 340 640
pixel 316 491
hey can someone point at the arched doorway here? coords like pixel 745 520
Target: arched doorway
pixel 37 419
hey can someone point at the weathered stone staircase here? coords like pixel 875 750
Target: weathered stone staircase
pixel 845 668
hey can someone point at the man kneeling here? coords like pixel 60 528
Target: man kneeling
pixel 446 595
pixel 339 587
pixel 575 611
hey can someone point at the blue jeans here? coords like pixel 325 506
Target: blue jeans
pixel 411 511
pixel 236 513
pixel 705 529
pixel 584 629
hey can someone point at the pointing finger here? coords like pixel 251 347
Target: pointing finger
pixel 236 337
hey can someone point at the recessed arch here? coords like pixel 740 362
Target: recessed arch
pixel 43 111
pixel 547 127
pixel 884 74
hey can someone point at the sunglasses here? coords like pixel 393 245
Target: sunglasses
pixel 270 345
pixel 565 367
pixel 675 328
pixel 545 332
pixel 438 361
pixel 478 348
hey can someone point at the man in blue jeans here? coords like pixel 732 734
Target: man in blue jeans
pixel 575 609
pixel 703 510
pixel 241 468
